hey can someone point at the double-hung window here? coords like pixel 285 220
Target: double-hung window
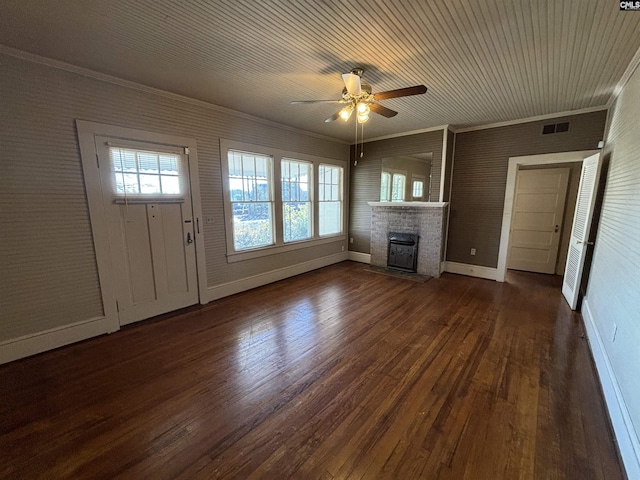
pixel 385 187
pixel 296 200
pixel 277 201
pixel 392 186
pixel 330 199
pixel 417 187
pixel 251 198
pixel 398 183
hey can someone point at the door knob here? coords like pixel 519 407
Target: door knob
pixel 584 243
pixel 189 239
pixel 557 228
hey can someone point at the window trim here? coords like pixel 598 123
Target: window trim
pixel 279 245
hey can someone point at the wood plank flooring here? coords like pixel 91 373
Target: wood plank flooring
pixel 335 374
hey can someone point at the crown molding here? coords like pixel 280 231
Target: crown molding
pixel 406 134
pixel 531 119
pixel 103 77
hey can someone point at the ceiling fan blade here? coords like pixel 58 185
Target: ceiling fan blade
pixel 295 102
pixel 381 110
pixel 352 82
pixel 401 92
pixel 333 117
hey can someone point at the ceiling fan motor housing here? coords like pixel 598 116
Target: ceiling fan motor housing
pixel 365 96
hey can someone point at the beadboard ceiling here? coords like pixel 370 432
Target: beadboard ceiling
pixel 483 61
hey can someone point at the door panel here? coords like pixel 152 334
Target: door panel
pixel 151 236
pixel 174 248
pixel 537 217
pixel 578 243
pixel 139 273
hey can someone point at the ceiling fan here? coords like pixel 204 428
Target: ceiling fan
pixel 357 96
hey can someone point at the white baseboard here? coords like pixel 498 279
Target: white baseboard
pixel 360 257
pixel 626 436
pixel 231 288
pixel 27 345
pixel 471 270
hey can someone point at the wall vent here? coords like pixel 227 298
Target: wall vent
pixel 551 128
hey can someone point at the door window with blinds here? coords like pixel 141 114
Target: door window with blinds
pixel 277 201
pixel 146 173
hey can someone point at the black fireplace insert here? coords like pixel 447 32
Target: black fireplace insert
pixel 403 251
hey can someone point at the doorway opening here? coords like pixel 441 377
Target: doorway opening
pixel 517 164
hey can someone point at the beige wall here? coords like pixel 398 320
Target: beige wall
pixel 49 276
pixel 613 291
pixel 480 175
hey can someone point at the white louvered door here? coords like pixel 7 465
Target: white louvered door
pixel 147 202
pixel 581 226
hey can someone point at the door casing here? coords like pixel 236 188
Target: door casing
pixel 507 213
pixel 87 131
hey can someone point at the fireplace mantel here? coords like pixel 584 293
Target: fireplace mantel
pixel 427 219
pixel 409 204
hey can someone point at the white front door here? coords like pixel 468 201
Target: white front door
pixel 538 213
pixel 147 203
pixel 585 204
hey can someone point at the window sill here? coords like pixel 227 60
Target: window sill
pixel 275 249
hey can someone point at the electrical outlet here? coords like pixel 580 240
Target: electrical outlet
pixel 351 240
pixel 473 251
pixel 614 331
pixel 209 220
pixel 343 248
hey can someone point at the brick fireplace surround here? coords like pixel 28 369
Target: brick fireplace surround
pixel 427 219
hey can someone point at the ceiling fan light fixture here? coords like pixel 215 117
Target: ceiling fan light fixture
pixel 363 117
pixel 363 108
pixel 346 112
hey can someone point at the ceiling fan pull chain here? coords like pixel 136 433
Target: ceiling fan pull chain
pixel 355 149
pixel 361 140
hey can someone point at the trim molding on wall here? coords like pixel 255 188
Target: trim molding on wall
pixel 237 286
pixel 359 257
pixel 626 437
pixel 443 167
pixel 471 270
pixel 39 342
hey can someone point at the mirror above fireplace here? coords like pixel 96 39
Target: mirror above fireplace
pixel 406 178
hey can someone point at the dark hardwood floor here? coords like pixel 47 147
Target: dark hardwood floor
pixel 336 374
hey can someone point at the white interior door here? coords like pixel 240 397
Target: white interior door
pixel 147 203
pixel 538 212
pixel 581 226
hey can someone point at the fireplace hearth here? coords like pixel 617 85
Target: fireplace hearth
pixel 403 251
